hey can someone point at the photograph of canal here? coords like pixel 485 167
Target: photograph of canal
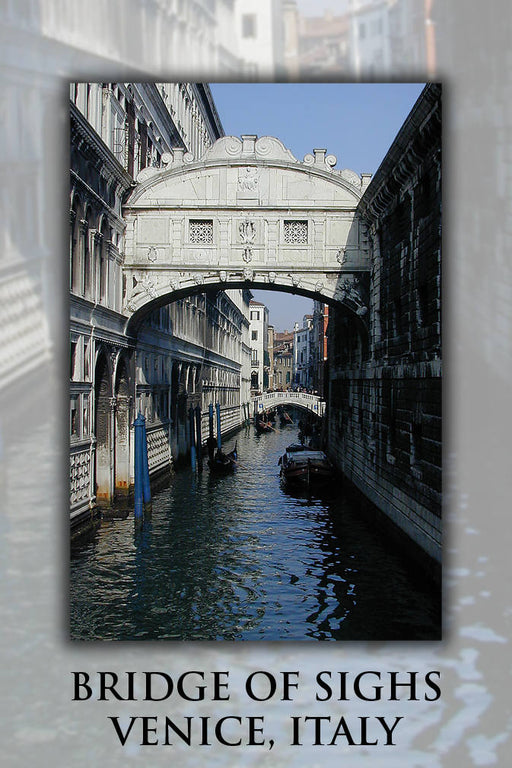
pixel 255 362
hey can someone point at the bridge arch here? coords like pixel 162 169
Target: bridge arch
pixel 248 214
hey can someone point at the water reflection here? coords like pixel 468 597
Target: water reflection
pixel 242 557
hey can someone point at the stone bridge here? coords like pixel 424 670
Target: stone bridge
pixel 248 214
pixel 312 403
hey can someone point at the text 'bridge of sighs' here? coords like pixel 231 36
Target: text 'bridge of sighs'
pixel 248 214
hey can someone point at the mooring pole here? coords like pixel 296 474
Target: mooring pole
pixel 219 436
pixel 199 439
pixel 146 487
pixel 193 461
pixel 139 471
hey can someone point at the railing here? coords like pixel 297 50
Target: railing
pixel 312 403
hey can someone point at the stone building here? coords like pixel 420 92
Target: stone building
pixel 385 369
pixel 190 353
pixel 319 347
pixel 283 360
pixel 302 352
pixel 259 346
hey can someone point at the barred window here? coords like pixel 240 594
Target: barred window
pixel 201 230
pixel 295 232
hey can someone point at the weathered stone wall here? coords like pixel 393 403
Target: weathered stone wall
pixel 385 389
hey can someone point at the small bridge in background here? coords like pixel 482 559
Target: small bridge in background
pixel 312 403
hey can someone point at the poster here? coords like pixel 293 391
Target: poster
pixel 44 43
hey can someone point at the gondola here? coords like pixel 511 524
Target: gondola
pixel 303 466
pixel 262 425
pixel 285 419
pixel 223 462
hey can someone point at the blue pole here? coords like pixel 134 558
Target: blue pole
pixel 199 438
pixel 210 420
pixel 138 501
pixel 219 436
pixel 146 487
pixel 192 439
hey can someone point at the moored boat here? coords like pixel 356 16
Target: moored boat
pixel 302 465
pixel 223 462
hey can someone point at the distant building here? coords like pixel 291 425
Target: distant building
pixel 258 330
pixel 301 352
pixel 258 36
pixel 370 49
pixel 319 347
pixel 283 360
pixel 323 43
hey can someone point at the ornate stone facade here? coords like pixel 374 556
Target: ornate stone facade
pixel 171 361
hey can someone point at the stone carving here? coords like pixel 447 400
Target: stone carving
pixel 248 273
pixel 272 277
pixel 320 159
pixel 147 173
pixel 247 254
pixel 152 253
pixel 296 280
pixel 223 275
pixel 341 255
pixel 319 286
pixel 226 146
pixel 146 285
pixel 247 179
pixel 269 146
pixel 174 283
pixel 247 231
pixel 198 279
pixel 351 176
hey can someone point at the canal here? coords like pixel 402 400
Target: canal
pixel 240 557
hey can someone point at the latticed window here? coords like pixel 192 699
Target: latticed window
pixel 295 232
pixel 201 230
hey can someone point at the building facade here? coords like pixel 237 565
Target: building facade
pixel 283 360
pixel 185 354
pixel 258 319
pixel 385 371
pixel 302 353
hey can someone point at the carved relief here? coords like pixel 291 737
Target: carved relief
pixel 223 275
pixel 341 256
pixel 152 254
pixel 272 277
pixel 247 254
pixel 247 232
pixel 248 274
pixel 248 179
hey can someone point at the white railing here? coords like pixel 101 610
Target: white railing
pixel 313 403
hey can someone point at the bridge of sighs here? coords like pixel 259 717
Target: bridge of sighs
pixel 247 214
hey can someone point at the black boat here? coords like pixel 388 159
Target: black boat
pixel 285 418
pixel 262 424
pixel 223 462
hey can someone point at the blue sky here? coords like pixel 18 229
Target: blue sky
pixel 357 122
